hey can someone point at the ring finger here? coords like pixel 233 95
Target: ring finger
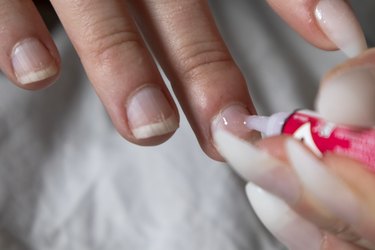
pixel 205 78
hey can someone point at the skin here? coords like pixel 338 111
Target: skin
pixel 345 169
pixel 350 172
pixel 106 39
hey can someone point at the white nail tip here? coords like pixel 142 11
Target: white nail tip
pixel 339 23
pixel 161 128
pixel 329 190
pixel 37 76
pixel 258 166
pixel 249 162
pixel 291 229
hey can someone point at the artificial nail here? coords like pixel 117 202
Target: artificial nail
pixel 258 166
pixel 32 62
pixel 290 228
pixel 339 23
pixel 333 193
pixel 150 114
pixel 349 98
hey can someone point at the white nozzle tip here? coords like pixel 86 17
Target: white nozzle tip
pixel 268 126
pixel 258 123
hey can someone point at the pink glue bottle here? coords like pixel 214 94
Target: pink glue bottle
pixel 319 135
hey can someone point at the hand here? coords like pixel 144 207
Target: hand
pixel 309 202
pixel 182 36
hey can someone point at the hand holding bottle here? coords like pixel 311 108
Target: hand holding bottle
pixel 306 201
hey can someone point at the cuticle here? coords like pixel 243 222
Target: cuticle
pixel 136 90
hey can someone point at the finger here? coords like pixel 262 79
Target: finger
pixel 323 189
pixel 120 68
pixel 207 82
pixel 347 93
pixel 333 193
pixel 288 226
pixel 274 175
pixel 277 177
pixel 362 183
pixel 28 56
pixel 327 24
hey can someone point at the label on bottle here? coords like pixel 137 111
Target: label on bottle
pixel 322 137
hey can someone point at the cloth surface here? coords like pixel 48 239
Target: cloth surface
pixel 69 181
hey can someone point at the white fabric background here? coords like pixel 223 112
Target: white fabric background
pixel 69 181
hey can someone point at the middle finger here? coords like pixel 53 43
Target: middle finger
pixel 204 76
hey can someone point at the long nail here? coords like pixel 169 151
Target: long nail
pixel 333 193
pixel 287 226
pixel 150 114
pixel 258 166
pixel 32 62
pixel 339 23
pixel 349 98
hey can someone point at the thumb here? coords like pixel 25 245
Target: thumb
pixel 347 93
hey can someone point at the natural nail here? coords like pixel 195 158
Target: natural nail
pixel 339 23
pixel 150 114
pixel 258 166
pixel 233 119
pixel 349 98
pixel 32 62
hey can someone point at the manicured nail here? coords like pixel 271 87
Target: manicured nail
pixel 333 193
pixel 287 226
pixel 258 166
pixel 233 119
pixel 349 98
pixel 339 23
pixel 150 114
pixel 32 62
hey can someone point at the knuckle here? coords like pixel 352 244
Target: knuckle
pixel 109 38
pixel 202 57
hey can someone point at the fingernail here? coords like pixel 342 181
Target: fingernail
pixel 150 114
pixel 333 193
pixel 233 120
pixel 258 166
pixel 339 23
pixel 334 242
pixel 287 226
pixel 349 98
pixel 32 62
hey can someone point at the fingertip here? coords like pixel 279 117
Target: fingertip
pixel 33 64
pixel 287 226
pixel 327 24
pixel 231 118
pixel 148 117
pixel 210 150
pixel 300 16
pixel 347 93
pixel 339 23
